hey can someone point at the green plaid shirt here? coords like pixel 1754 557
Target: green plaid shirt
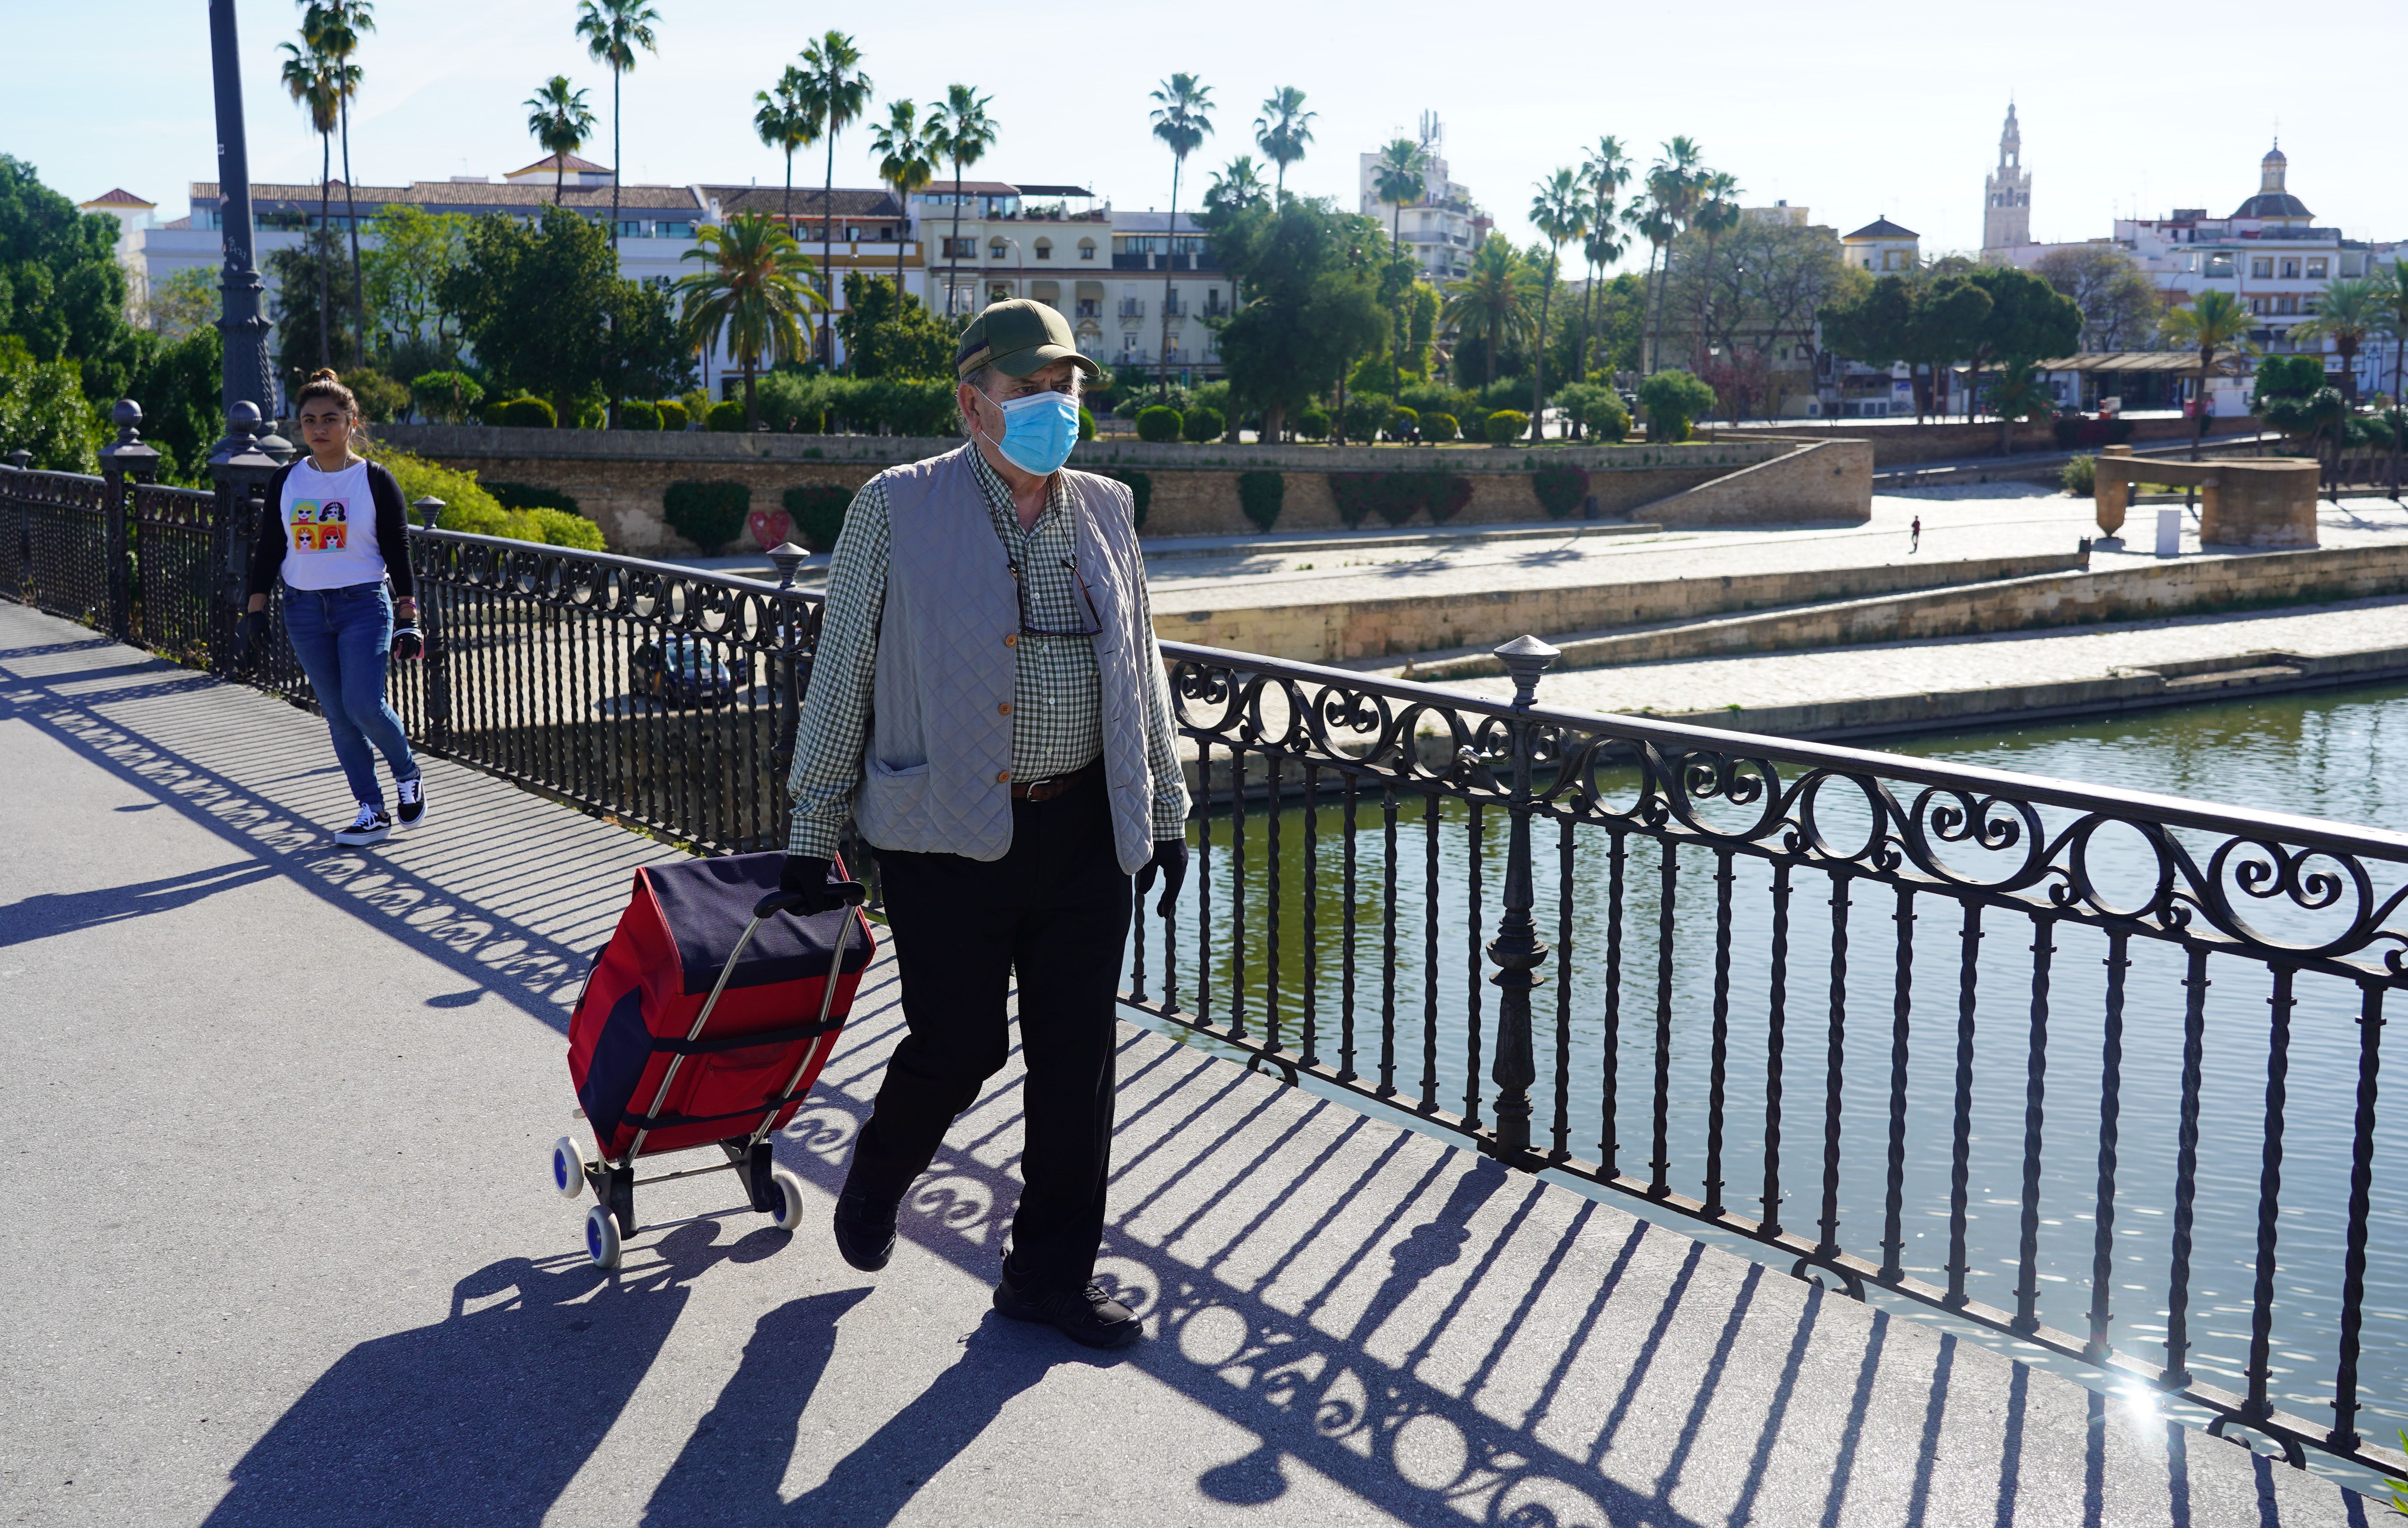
pixel 1057 702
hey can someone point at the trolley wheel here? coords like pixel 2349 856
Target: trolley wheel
pixel 601 1238
pixel 790 1198
pixel 567 1168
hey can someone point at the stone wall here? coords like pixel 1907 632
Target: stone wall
pixel 1903 445
pixel 618 477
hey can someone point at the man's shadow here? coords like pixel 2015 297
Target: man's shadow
pixel 485 1415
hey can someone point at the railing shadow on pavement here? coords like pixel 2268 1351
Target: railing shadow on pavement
pixel 446 900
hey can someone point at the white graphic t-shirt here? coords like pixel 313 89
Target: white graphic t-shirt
pixel 330 539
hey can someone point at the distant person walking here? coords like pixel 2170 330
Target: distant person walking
pixel 336 517
pixel 1917 544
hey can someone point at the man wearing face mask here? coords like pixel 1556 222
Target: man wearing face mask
pixel 988 705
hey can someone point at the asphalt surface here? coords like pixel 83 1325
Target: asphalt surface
pixel 282 1251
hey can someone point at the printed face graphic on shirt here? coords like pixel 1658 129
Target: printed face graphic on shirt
pixel 318 525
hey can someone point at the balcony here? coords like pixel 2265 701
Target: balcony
pixel 1089 307
pixel 1132 308
pixel 1174 305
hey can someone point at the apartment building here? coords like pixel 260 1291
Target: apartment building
pixel 1444 226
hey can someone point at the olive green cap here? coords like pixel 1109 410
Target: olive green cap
pixel 1016 337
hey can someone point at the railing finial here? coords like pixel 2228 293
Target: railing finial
pixel 428 509
pixel 789 560
pixel 1525 657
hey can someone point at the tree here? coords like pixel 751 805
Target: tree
pixel 754 291
pixel 2120 305
pixel 416 250
pixel 613 30
pixel 2019 394
pixel 315 83
pixel 884 338
pixel 1313 305
pixel 1237 188
pixel 785 121
pixel 649 356
pixel 2350 309
pixel 2028 320
pixel 561 121
pixel 1560 213
pixel 1491 304
pixel 334 28
pixel 1717 214
pixel 312 284
pixel 535 300
pixel 2391 299
pixel 1181 121
pixel 1398 180
pixel 1672 187
pixel 61 289
pixel 43 412
pixel 906 163
pixel 839 93
pixel 1283 130
pixel 961 130
pixel 1922 321
pixel 2214 320
pixel 1604 172
pixel 181 303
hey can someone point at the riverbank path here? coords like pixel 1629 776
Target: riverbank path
pixel 284 1251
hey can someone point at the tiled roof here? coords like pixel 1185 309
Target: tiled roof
pixel 119 196
pixel 1026 190
pixel 1882 228
pixel 568 161
pixel 463 195
pixel 809 201
pixel 970 188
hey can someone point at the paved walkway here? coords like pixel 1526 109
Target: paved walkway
pixel 284 1253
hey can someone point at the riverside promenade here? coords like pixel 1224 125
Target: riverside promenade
pixel 285 1252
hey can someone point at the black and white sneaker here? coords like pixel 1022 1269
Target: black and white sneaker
pixel 413 794
pixel 370 826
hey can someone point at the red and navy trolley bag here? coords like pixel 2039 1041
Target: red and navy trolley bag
pixel 705 1022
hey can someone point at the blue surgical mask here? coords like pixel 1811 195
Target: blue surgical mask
pixel 1039 431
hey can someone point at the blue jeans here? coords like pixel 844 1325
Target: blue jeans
pixel 343 638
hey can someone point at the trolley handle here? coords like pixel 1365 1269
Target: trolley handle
pixel 848 893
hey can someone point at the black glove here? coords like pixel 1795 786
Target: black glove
pixel 1170 859
pixel 807 875
pixel 250 634
pixel 407 643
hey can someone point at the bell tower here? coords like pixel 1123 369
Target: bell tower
pixel 2006 207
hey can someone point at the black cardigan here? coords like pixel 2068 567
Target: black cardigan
pixel 391 531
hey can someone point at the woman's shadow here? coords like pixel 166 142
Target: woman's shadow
pixel 485 1415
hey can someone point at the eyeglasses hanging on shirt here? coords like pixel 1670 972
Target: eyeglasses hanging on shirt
pixel 1028 628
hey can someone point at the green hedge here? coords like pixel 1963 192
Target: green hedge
pixel 637 414
pixel 1159 424
pixel 672 415
pixel 1260 495
pixel 448 397
pixel 1312 424
pixel 1437 427
pixel 726 416
pixel 1394 497
pixel 521 496
pixel 1201 423
pixel 817 511
pixel 1366 415
pixel 1141 489
pixel 1673 401
pixel 525 414
pixel 709 514
pixel 1087 425
pixel 1560 489
pixel 1505 426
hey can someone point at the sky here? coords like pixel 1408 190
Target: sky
pixel 1854 112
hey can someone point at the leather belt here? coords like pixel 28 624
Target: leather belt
pixel 1060 785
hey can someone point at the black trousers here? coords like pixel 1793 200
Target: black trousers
pixel 1056 910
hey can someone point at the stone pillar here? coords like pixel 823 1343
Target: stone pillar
pixel 2113 496
pixel 239 467
pixel 121 459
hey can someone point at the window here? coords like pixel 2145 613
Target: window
pixel 2262 305
pixel 1044 248
pixel 852 233
pixel 2261 268
pixel 1086 249
pixel 2290 270
pixel 886 233
pixel 631 229
pixel 994 248
pixel 2318 269
pixel 2286 304
pixel 999 291
pixel 673 230
pixel 960 249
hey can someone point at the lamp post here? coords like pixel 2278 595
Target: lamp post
pixel 245 376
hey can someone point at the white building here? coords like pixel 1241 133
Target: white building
pixel 1444 226
pixel 2006 193
pixel 1882 248
pixel 1150 259
pixel 134 217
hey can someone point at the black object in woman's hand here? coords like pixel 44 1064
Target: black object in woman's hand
pixel 407 643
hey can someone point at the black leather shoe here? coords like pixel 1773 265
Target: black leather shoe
pixel 1088 1316
pixel 864 1231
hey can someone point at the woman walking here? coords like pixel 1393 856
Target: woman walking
pixel 337 535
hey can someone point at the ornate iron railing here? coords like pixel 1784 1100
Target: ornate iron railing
pixel 1369 857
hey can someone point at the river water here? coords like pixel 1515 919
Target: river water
pixel 2339 755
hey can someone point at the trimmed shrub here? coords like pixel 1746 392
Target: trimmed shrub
pixel 561 528
pixel 461 492
pixel 1087 425
pixel 1403 420
pixel 672 415
pixel 1260 495
pixel 726 416
pixel 2080 476
pixel 817 511
pixel 1597 406
pixel 526 413
pixel 1366 415
pixel 1140 486
pixel 1395 496
pixel 521 496
pixel 1560 489
pixel 592 415
pixel 636 414
pixel 1312 424
pixel 1201 423
pixel 382 399
pixel 1673 401
pixel 2286 376
pixel 1159 424
pixel 709 514
pixel 1505 426
pixel 448 397
pixel 1438 428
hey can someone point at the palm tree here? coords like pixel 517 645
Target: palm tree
pixel 2217 321
pixel 1650 220
pixel 1179 121
pixel 1560 214
pixel 1283 130
pixel 334 28
pixel 2392 296
pixel 755 288
pixel 2349 311
pixel 1672 188
pixel 561 121
pixel 1397 180
pixel 315 81
pixel 613 30
pixel 786 123
pixel 1717 213
pixel 839 94
pixel 1238 187
pixel 961 130
pixel 906 163
pixel 1492 303
pixel 1605 172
